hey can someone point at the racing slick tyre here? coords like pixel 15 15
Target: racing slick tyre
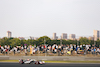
pixel 36 62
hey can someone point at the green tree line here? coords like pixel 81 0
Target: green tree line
pixel 46 40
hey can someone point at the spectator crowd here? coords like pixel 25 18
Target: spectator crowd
pixel 51 49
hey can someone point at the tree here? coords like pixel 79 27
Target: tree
pixel 98 43
pixel 22 42
pixel 91 42
pixel 4 41
pixel 41 40
pixel 55 42
pixel 15 41
pixel 84 40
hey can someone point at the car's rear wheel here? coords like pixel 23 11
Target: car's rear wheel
pixel 36 62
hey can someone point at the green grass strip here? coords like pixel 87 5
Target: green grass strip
pixel 72 61
pixel 9 60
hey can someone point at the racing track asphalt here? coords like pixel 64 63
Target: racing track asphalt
pixel 48 65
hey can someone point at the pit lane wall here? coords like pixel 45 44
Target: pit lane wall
pixel 52 58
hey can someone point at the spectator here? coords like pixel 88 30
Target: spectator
pixel 0 48
pixel 31 49
pixel 14 50
pixel 25 47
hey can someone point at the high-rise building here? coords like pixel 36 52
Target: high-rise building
pixel 96 35
pixel 72 36
pixel 54 36
pixel 64 36
pixel 8 34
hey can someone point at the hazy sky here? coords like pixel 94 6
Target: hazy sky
pixel 44 17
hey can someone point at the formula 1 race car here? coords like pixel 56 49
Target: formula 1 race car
pixel 28 61
pixel 31 61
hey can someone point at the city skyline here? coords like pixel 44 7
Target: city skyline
pixel 42 18
pixel 65 36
